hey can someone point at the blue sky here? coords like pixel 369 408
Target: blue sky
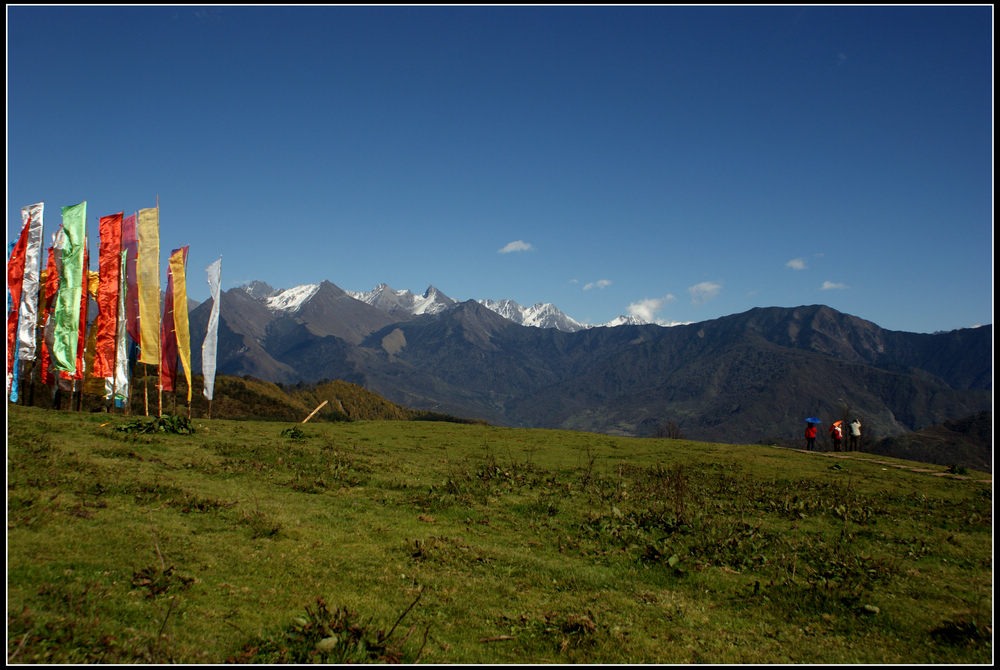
pixel 681 163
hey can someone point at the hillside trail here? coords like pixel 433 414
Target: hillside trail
pixel 857 456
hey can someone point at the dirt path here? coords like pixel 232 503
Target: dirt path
pixel 860 456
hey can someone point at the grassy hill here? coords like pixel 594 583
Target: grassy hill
pixel 270 541
pixel 246 398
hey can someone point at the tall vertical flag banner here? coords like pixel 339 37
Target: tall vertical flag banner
pixel 210 343
pixel 27 330
pixel 121 380
pixel 11 371
pixel 175 337
pixel 168 340
pixel 106 323
pixel 66 315
pixel 147 231
pixel 178 269
pixel 130 246
pixel 89 288
pixel 49 302
pixel 92 385
pixel 15 280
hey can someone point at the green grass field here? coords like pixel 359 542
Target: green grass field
pixel 265 542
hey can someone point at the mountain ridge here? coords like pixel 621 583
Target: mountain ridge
pixel 745 377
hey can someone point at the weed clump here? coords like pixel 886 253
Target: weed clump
pixel 169 423
pixel 294 433
pixel 337 636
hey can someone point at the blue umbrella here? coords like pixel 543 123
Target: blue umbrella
pixel 813 419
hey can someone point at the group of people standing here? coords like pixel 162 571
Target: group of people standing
pixel 836 434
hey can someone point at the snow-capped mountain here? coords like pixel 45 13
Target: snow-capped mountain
pixel 623 320
pixel 258 290
pixel 391 300
pixel 291 300
pixel 539 315
pixel 404 302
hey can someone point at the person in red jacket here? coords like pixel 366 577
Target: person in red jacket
pixel 810 436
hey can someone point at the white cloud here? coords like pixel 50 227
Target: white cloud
pixel 600 283
pixel 704 291
pixel 646 309
pixel 831 285
pixel 517 245
pixel 796 264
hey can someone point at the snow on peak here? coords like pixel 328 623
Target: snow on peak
pixel 539 315
pixel 291 300
pixel 622 320
pixel 433 301
pixel 392 300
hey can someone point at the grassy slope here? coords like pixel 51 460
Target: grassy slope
pixel 510 545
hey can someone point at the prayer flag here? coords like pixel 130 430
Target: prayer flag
pixel 178 269
pixel 48 305
pixel 12 375
pixel 15 280
pixel 106 323
pixel 89 288
pixel 121 341
pixel 148 237
pixel 27 330
pixel 170 336
pixel 130 244
pixel 210 343
pixel 92 384
pixel 66 315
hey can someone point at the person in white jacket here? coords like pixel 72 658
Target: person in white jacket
pixel 855 435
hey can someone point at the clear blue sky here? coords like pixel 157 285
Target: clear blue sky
pixel 683 163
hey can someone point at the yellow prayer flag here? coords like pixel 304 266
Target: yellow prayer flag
pixel 177 262
pixel 147 231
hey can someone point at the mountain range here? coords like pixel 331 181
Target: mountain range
pixel 748 377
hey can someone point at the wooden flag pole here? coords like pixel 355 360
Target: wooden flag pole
pixel 159 385
pixel 315 410
pixel 131 379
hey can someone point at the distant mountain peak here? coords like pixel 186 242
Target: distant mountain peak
pixel 258 290
pixel 625 320
pixel 292 300
pixel 404 303
pixel 539 315
pixel 393 301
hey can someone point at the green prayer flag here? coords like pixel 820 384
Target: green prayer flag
pixel 66 315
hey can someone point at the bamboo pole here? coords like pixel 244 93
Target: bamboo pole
pixel 315 410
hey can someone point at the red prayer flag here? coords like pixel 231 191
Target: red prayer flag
pixel 109 264
pixel 168 339
pixel 51 288
pixel 15 280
